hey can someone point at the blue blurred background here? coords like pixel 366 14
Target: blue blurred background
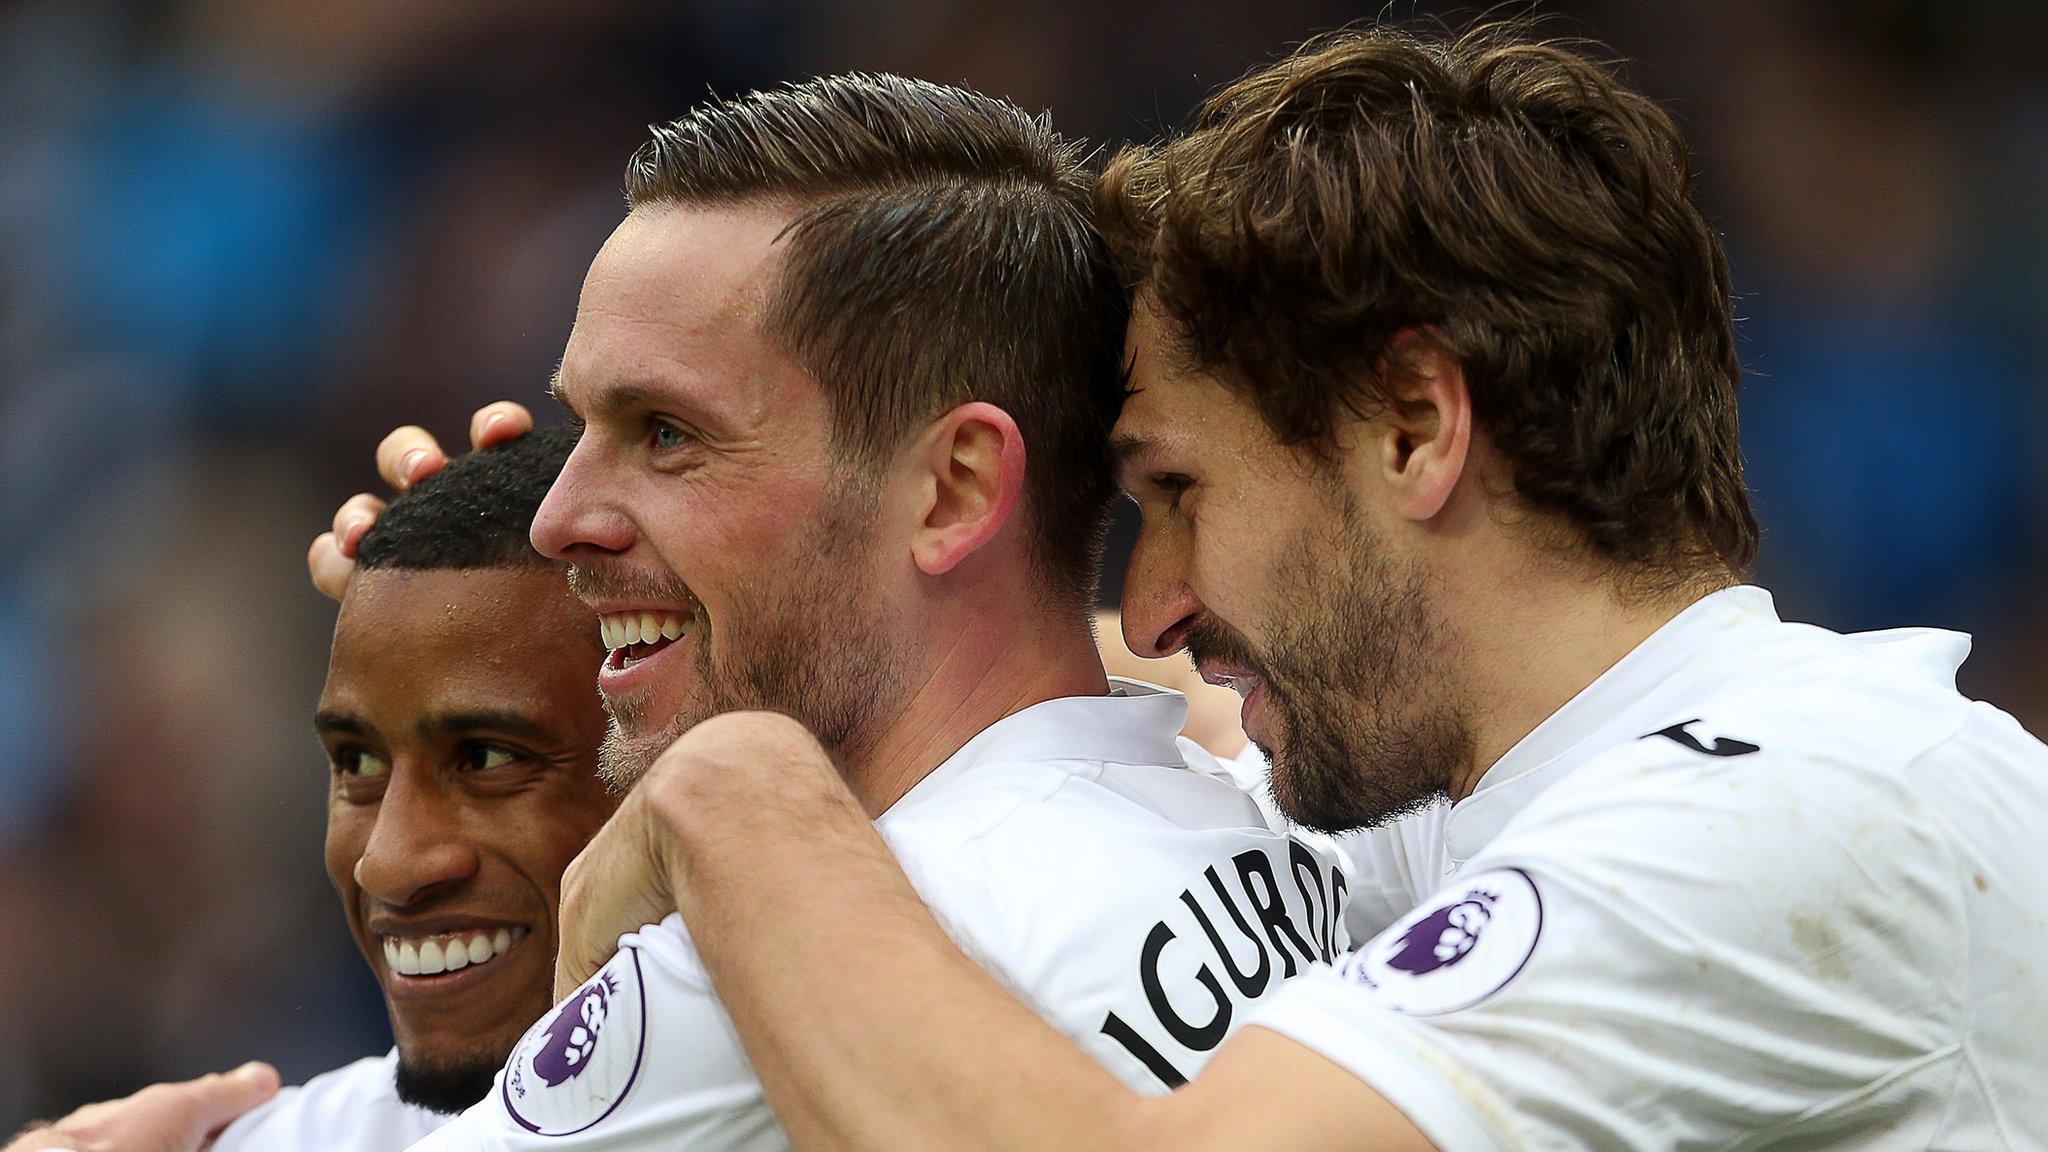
pixel 240 239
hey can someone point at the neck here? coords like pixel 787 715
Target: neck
pixel 981 665
pixel 1523 656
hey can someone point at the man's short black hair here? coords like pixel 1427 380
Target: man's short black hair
pixel 475 513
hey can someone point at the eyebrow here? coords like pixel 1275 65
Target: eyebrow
pixel 446 724
pixel 622 398
pixel 483 719
pixel 325 721
pixel 1125 447
pixel 1134 451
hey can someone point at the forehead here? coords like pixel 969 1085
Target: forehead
pixel 676 300
pixel 1172 409
pixel 408 644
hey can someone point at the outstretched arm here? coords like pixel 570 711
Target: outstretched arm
pixel 160 1118
pixel 869 1029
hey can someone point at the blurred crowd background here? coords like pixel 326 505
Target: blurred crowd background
pixel 240 239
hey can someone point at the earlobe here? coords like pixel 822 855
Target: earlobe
pixel 974 461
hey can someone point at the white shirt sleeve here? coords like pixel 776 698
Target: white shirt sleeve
pixel 642 1056
pixel 1668 951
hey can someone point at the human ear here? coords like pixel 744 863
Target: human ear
pixel 972 471
pixel 1425 433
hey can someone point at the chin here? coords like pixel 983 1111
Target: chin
pixel 624 757
pixel 448 1081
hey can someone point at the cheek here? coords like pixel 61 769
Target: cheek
pixel 554 840
pixel 1231 566
pixel 716 535
pixel 1244 549
pixel 348 832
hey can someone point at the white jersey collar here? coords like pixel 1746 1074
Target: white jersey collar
pixel 1136 723
pixel 1542 756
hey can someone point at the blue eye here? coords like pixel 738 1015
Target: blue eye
pixel 668 437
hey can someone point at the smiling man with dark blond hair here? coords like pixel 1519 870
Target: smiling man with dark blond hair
pixel 844 378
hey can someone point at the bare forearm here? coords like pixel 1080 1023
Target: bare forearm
pixel 869 1028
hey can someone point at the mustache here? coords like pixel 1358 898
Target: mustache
pixel 590 582
pixel 1211 640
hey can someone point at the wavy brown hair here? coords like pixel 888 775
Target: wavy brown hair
pixel 1510 198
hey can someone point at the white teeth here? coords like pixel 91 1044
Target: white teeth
pixel 448 953
pixel 621 629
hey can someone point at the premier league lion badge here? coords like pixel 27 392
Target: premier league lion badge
pixel 1456 950
pixel 576 1064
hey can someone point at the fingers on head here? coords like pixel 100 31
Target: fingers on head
pixel 409 455
pixel 329 568
pixel 498 422
pixel 354 518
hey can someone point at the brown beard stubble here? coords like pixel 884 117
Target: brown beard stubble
pixel 1371 727
pixel 809 643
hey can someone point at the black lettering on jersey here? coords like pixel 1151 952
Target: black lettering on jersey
pixel 1268 927
pixel 1160 1066
pixel 1200 1037
pixel 1722 746
pixel 1339 889
pixel 1272 908
pixel 1308 879
pixel 1249 985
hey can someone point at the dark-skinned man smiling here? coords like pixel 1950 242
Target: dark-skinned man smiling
pixel 462 725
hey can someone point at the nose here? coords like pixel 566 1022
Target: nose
pixel 577 518
pixel 416 848
pixel 1158 605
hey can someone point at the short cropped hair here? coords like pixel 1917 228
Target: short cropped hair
pixel 475 513
pixel 945 253
pixel 1513 200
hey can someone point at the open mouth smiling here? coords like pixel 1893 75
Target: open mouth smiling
pixel 630 637
pixel 445 952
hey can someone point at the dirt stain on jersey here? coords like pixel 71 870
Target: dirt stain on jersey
pixel 1821 942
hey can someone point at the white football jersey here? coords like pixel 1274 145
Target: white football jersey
pixel 1109 873
pixel 1388 870
pixel 354 1108
pixel 1759 886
